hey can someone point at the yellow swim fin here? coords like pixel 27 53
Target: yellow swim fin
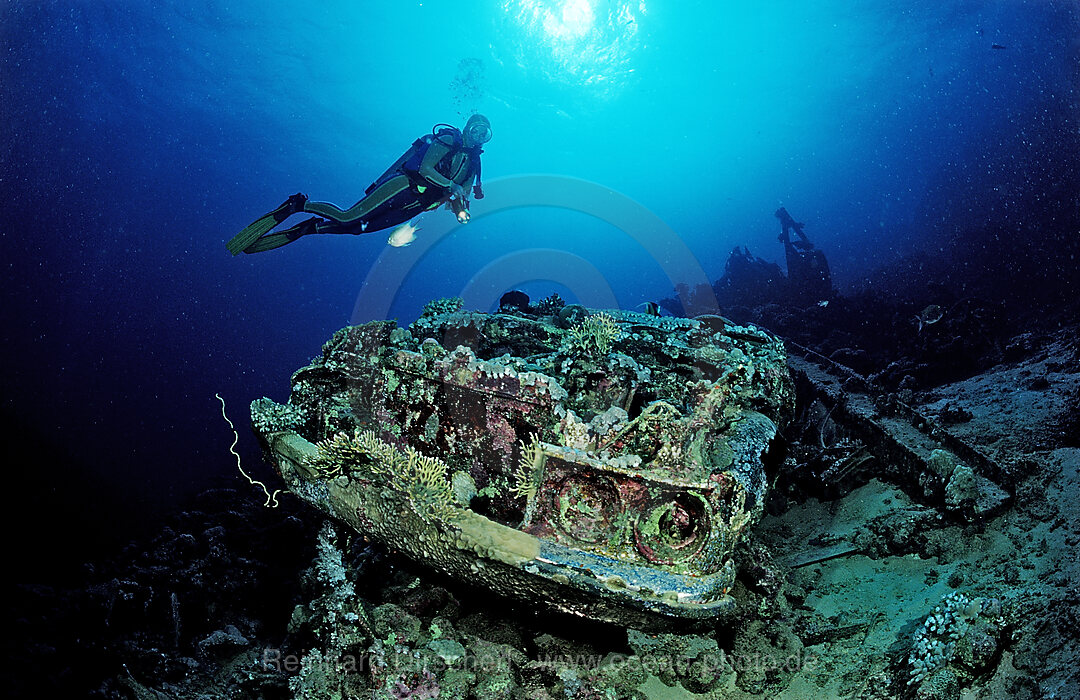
pixel 261 226
pixel 251 233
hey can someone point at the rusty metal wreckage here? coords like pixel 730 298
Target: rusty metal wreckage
pixel 606 463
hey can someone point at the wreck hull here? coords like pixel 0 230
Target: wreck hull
pixel 485 553
pixel 632 520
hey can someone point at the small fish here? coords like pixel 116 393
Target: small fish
pixel 403 235
pixel 929 316
pixel 651 308
pixel 997 46
pixel 823 303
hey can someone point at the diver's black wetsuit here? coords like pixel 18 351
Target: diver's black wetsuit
pixel 438 168
pixel 421 180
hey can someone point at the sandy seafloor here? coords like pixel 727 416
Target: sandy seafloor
pixel 907 560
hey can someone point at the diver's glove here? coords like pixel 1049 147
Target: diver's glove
pixel 477 192
pixel 459 204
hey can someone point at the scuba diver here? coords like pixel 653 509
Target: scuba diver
pixel 437 169
pixel 807 268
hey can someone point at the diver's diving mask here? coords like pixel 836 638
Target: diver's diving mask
pixel 477 130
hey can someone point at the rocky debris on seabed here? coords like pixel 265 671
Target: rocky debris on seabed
pixel 175 615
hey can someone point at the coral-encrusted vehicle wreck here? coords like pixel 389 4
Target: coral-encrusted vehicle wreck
pixel 606 463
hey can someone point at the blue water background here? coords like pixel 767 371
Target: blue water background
pixel 138 137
